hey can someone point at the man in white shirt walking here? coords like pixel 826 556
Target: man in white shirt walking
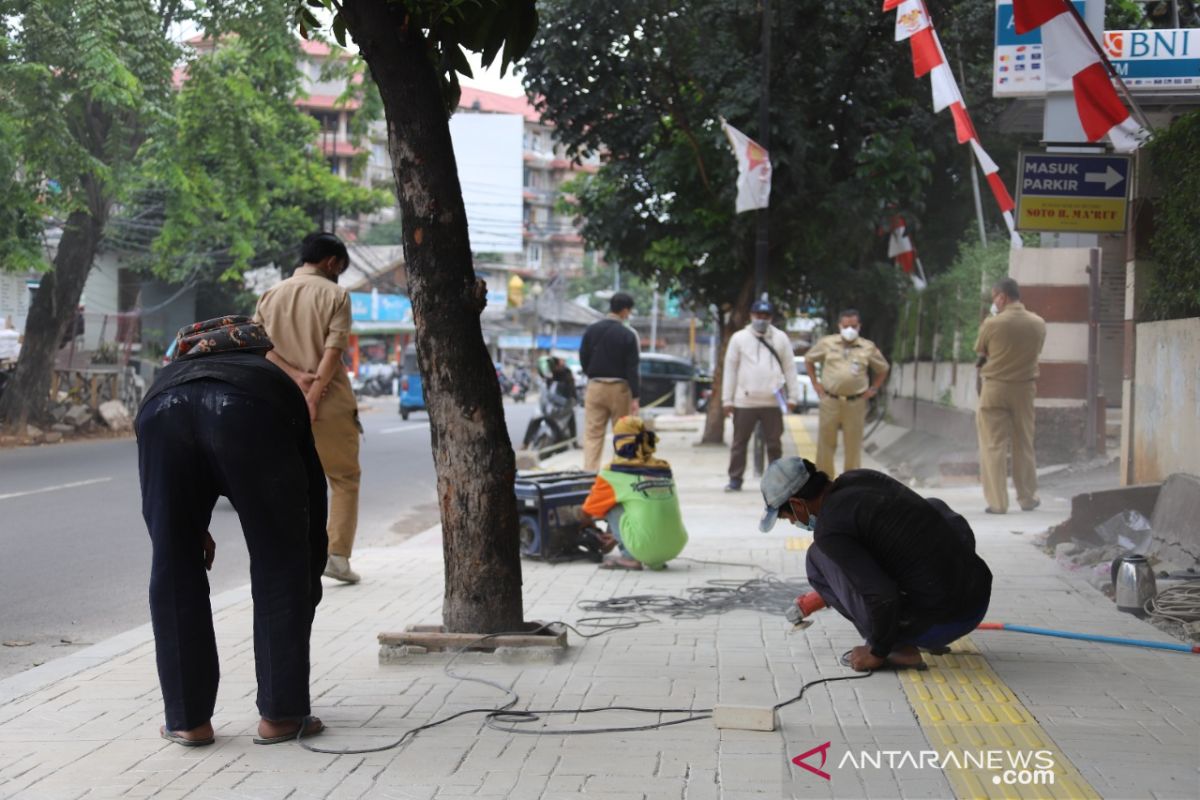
pixel 759 384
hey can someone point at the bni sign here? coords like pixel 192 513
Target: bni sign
pixel 1073 193
pixel 1147 60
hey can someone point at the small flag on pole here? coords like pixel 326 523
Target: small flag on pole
pixel 754 170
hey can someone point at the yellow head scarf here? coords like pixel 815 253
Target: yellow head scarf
pixel 635 447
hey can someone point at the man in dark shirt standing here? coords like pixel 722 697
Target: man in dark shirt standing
pixel 609 355
pixel 902 568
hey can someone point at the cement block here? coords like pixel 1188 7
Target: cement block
pixel 745 718
pixel 78 415
pixel 116 416
pixel 1176 541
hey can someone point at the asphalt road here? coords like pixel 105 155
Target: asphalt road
pixel 75 558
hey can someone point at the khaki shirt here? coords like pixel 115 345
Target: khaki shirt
pixel 304 315
pixel 846 364
pixel 1012 341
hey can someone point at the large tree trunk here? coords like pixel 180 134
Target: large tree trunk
pixel 54 306
pixel 471 449
pixel 731 322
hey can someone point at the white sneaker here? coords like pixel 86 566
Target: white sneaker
pixel 338 568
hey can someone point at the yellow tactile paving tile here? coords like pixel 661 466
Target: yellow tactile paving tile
pixel 797 542
pixel 963 708
pixel 806 447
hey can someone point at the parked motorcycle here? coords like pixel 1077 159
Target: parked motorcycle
pixel 554 430
pixel 520 384
pixel 377 382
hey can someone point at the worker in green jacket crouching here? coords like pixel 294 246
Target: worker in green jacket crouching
pixel 636 496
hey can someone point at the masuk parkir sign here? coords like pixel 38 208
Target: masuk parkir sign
pixel 1073 193
pixel 1147 60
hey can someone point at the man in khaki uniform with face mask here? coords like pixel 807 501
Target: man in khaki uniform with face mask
pixel 1009 344
pixel 853 371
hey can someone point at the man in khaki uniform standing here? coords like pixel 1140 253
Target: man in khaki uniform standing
pixel 610 357
pixel 853 371
pixel 307 317
pixel 1009 344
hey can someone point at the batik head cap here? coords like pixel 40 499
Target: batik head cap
pixel 783 479
pixel 634 445
pixel 221 335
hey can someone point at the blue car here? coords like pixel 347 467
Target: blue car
pixel 412 392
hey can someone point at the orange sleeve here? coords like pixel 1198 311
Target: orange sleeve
pixel 600 499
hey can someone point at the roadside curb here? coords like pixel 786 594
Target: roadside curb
pixel 16 687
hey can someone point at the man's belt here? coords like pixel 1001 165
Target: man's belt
pixel 844 396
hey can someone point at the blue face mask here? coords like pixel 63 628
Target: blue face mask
pixel 804 526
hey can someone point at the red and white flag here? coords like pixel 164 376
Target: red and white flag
pixel 1072 64
pixel 901 251
pixel 754 170
pixel 914 24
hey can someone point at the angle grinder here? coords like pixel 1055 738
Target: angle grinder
pixel 805 606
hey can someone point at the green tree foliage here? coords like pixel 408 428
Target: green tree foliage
pixel 852 137
pixel 96 141
pixel 235 171
pixel 79 99
pixel 1175 281
pixel 20 209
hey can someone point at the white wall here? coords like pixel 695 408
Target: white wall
pixel 14 299
pixel 489 152
pixel 1166 400
pixel 936 382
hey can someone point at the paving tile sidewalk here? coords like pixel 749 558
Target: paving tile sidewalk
pixel 86 725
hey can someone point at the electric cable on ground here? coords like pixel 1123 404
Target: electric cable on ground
pixel 1178 604
pixel 717 597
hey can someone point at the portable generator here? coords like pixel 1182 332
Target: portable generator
pixel 550 508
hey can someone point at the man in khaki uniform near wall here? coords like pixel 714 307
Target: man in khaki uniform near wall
pixel 307 317
pixel 1009 344
pixel 853 371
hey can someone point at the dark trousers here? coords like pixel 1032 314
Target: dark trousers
pixel 744 420
pixel 196 442
pixel 837 590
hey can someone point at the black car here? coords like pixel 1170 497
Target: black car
pixel 658 374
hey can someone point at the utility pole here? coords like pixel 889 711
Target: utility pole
pixel 654 321
pixel 764 139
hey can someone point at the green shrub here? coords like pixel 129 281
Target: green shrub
pixel 1174 282
pixel 955 300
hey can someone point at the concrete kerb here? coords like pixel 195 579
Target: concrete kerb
pixel 32 680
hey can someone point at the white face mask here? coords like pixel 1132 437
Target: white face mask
pixel 849 334
pixel 994 310
pixel 759 325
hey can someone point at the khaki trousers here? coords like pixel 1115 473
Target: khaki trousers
pixel 1006 414
pixel 850 417
pixel 336 437
pixel 604 401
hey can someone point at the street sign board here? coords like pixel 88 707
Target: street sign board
pixel 1166 60
pixel 1073 192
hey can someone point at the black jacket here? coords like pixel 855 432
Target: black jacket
pixel 610 350
pixel 913 560
pixel 250 372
